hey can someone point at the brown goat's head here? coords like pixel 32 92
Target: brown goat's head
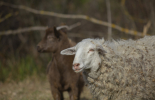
pixel 50 42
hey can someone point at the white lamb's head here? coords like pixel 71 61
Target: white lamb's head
pixel 87 54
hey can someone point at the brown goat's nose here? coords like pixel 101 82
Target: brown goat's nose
pixel 76 66
pixel 38 49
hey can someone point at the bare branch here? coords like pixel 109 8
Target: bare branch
pixel 35 28
pixel 69 27
pixel 146 27
pixel 127 31
pixel 125 11
pixel 74 25
pixel 7 16
pixel 109 19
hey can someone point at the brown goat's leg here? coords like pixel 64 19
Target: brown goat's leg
pixel 57 95
pixel 74 94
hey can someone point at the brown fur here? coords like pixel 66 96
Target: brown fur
pixel 60 74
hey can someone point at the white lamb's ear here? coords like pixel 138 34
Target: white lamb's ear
pixel 69 51
pixel 100 49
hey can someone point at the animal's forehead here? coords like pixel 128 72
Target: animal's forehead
pixel 85 45
pixel 49 31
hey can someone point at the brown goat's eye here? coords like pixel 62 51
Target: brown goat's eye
pixel 50 38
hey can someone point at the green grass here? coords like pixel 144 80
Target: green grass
pixel 20 68
pixel 25 79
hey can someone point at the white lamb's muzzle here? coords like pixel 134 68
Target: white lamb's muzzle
pixel 81 68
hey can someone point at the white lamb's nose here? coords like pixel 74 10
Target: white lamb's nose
pixel 76 66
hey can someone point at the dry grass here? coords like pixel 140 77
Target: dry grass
pixel 32 89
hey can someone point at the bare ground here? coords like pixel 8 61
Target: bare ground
pixel 33 89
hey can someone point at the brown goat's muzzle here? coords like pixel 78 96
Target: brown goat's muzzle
pixel 39 49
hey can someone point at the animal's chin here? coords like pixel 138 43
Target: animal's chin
pixel 44 51
pixel 78 70
pixel 41 50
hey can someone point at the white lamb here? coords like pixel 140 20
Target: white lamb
pixel 118 70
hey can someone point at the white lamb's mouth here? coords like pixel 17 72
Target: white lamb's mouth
pixel 78 70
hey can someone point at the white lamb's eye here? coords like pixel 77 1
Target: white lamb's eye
pixel 91 49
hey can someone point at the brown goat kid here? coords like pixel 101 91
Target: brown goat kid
pixel 60 73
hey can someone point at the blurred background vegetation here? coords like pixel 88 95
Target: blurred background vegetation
pixel 18 55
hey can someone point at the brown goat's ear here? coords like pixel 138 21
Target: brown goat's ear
pixel 56 32
pixel 64 30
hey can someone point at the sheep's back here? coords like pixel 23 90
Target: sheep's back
pixel 125 75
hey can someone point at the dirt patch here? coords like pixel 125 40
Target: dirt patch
pixel 33 89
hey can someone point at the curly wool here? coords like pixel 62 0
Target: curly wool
pixel 127 71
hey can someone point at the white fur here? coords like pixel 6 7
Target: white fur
pixel 87 59
pixel 127 70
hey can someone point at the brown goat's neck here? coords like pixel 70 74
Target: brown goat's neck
pixel 63 58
